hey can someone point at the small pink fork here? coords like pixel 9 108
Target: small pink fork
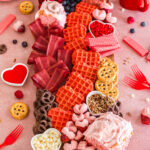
pixel 139 74
pixel 134 84
pixel 13 136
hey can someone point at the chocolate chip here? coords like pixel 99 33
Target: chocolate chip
pixel 120 114
pixel 3 48
pixel 118 103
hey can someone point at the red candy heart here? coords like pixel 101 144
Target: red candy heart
pixel 98 28
pixel 15 76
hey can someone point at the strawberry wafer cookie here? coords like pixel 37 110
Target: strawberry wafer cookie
pixel 77 43
pixel 80 84
pixel 135 46
pixel 67 98
pixel 78 30
pixel 59 117
pixel 105 40
pixel 76 17
pixel 109 132
pixel 85 7
pixel 90 58
pixel 87 71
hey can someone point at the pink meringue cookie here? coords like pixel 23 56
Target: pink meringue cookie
pixel 72 146
pixel 79 136
pixel 107 6
pixel 82 124
pixel 77 117
pixel 109 131
pixel 80 109
pixel 110 19
pixel 83 146
pixel 71 126
pixel 68 133
pixel 99 14
pixel 90 119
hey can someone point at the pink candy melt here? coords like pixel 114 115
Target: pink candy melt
pixel 135 46
pixel 6 22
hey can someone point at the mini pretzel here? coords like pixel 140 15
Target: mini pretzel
pixel 106 74
pixel 103 87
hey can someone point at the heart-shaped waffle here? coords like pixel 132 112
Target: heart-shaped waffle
pixel 77 43
pixel 67 98
pixel 80 84
pixel 76 17
pixel 98 28
pixel 87 71
pixel 85 7
pixel 78 30
pixel 90 58
pixel 59 117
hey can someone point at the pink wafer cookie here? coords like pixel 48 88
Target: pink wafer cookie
pixel 135 46
pixel 148 57
pixel 105 40
pixel 6 22
pixel 105 48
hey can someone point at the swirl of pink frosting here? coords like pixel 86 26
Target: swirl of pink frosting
pixel 109 132
pixel 106 5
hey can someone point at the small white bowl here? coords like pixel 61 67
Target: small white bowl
pixel 89 95
pixel 42 134
pixel 102 23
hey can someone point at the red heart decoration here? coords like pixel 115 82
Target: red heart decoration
pixel 98 28
pixel 15 76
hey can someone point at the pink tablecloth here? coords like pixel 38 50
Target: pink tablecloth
pixel 140 139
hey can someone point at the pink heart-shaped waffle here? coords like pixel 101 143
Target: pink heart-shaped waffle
pixel 67 98
pixel 98 28
pixel 90 58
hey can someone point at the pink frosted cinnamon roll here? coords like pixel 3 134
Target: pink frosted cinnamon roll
pixel 109 132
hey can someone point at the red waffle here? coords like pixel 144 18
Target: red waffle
pixel 67 98
pixel 85 7
pixel 90 58
pixel 87 71
pixel 78 43
pixel 59 117
pixel 70 33
pixel 80 84
pixel 77 18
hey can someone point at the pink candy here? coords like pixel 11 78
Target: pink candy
pixel 71 126
pixel 83 146
pixel 110 19
pixel 71 146
pixel 99 14
pixel 77 117
pixel 84 123
pixel 68 133
pixel 79 109
pixel 130 20
pixel 79 136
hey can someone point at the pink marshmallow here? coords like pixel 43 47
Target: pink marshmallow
pixel 77 117
pixel 80 109
pixel 110 19
pixel 72 146
pixel 71 126
pixel 82 124
pixel 79 136
pixel 99 14
pixel 68 133
pixel 83 146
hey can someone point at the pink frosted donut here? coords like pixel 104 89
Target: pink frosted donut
pixel 99 14
pixel 77 117
pixel 90 119
pixel 72 146
pixel 82 124
pixel 83 146
pixel 79 136
pixel 71 126
pixel 111 19
pixel 68 133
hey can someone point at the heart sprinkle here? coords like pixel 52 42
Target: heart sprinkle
pixel 100 29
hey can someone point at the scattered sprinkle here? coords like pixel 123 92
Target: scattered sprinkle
pixel 128 114
pixel 24 44
pixel 132 30
pixel 130 20
pixel 19 94
pixel 15 41
pixel 14 60
pixel 143 24
pixel 147 99
pixel 132 95
pixel 122 9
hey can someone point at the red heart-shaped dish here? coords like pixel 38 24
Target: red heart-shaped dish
pixel 15 76
pixel 98 28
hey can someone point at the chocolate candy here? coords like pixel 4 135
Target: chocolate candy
pixel 3 48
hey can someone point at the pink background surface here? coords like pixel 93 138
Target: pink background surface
pixel 140 139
